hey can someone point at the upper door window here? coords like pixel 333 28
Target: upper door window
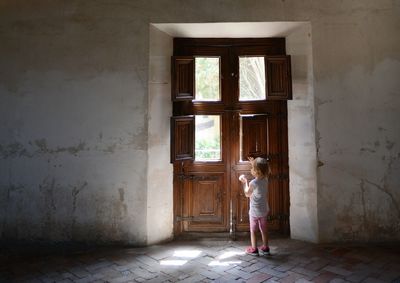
pixel 207 79
pixel 251 78
pixel 207 138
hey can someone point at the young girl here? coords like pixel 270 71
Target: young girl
pixel 257 191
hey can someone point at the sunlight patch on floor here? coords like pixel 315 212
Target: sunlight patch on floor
pixel 224 263
pixel 182 256
pixel 187 253
pixel 173 262
pixel 230 254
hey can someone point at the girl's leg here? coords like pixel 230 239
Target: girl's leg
pixel 253 239
pixel 264 231
pixel 253 229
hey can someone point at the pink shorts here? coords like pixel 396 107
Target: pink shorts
pixel 258 223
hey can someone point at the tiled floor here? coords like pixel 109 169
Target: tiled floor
pixel 206 261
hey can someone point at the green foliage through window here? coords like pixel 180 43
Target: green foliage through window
pixel 251 78
pixel 207 138
pixel 207 79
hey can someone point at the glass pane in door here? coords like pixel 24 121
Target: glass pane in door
pixel 251 78
pixel 207 78
pixel 207 138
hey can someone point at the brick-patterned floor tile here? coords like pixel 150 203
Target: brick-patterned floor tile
pixel 372 280
pixel 317 264
pixel 98 265
pixel 147 260
pixel 244 264
pixel 303 280
pixel 358 276
pixel 325 277
pixel 390 275
pixel 193 279
pixel 239 273
pixel 258 277
pixel 254 267
pixel 205 260
pixel 338 280
pixel 209 274
pixel 337 270
pixel 309 274
pixel 273 272
pixel 227 278
pixel 291 278
pixel 79 272
pixel 286 266
pixel 86 279
pixel 216 261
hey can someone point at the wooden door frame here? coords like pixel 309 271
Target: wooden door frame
pixel 268 46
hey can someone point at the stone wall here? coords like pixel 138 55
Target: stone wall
pixel 76 128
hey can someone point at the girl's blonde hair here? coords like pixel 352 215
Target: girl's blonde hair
pixel 260 168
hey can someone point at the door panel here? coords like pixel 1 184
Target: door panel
pixel 254 136
pixel 242 203
pixel 182 138
pixel 206 203
pixel 182 78
pixel 278 77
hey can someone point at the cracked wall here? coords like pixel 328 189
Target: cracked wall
pixel 357 101
pixel 74 138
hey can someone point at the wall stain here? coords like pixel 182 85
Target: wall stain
pixel 39 147
pixel 47 189
pixel 7 201
pixel 14 150
pixel 75 191
pixel 387 192
pixel 110 148
pixel 355 226
pixel 389 145
pixel 366 149
pixel 120 209
pixel 137 140
pixel 74 150
pixel 121 194
pixel 363 203
pixel 322 102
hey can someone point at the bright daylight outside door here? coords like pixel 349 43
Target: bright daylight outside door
pixel 229 103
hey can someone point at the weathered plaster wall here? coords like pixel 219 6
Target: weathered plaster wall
pixel 301 134
pixel 73 144
pixel 74 138
pixel 357 70
pixel 159 171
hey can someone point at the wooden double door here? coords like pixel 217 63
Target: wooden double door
pixel 208 197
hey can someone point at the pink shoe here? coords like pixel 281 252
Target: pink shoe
pixel 252 251
pixel 264 250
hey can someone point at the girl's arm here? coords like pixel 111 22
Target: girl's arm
pixel 248 189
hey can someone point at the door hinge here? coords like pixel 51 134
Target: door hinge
pixel 184 218
pixel 279 217
pixel 184 177
pixel 279 177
